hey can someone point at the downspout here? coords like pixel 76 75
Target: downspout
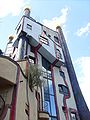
pixel 14 97
pixel 57 110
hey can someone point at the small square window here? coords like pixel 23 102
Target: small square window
pixel 44 31
pixel 56 39
pixel 63 89
pixel 43 40
pixel 62 74
pixel 29 26
pixel 73 116
pixel 49 36
pixel 18 28
pixel 58 54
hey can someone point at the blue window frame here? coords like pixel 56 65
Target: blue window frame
pixel 49 99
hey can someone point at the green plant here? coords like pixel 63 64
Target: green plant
pixel 34 76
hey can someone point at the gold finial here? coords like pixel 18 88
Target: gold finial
pixel 11 37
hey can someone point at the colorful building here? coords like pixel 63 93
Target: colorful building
pixel 59 97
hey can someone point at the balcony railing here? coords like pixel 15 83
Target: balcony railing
pixel 43 114
pixel 46 74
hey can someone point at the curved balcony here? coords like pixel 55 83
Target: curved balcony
pixel 8 71
pixel 43 115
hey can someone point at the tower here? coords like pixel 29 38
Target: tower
pixel 59 96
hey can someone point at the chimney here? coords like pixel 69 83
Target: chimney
pixel 58 29
pixel 11 38
pixel 27 12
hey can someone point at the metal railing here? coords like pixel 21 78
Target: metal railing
pixel 46 74
pixel 45 106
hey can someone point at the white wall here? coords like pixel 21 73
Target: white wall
pixel 36 31
pixel 36 28
pixel 59 80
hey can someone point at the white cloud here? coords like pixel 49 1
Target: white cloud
pixel 61 20
pixel 84 30
pixel 82 66
pixel 11 7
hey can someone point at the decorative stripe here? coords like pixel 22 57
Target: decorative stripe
pixel 55 62
pixel 14 97
pixel 38 46
pixel 57 110
pixel 64 100
pixel 27 65
pixel 35 52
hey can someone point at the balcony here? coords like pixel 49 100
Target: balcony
pixel 8 71
pixel 43 115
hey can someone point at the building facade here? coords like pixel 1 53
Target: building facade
pixel 60 97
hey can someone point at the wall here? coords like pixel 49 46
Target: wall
pixel 70 102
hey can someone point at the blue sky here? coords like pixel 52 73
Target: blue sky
pixel 74 18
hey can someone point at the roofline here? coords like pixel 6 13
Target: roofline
pixel 35 22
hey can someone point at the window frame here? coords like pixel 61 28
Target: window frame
pixel 56 39
pixel 58 54
pixel 43 40
pixel 29 26
pixel 51 97
pixel 73 111
pixel 62 89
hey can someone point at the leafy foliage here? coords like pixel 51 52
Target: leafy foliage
pixel 34 76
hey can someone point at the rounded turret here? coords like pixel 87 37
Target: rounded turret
pixel 11 37
pixel 58 29
pixel 27 12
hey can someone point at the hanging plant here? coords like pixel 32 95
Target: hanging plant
pixel 34 76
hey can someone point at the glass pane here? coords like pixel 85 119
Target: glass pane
pixel 46 97
pixel 65 90
pixel 60 89
pixel 47 106
pixel 53 118
pixel 62 74
pixel 73 116
pixel 50 87
pixel 46 89
pixel 52 103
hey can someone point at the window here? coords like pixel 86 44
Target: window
pixel 49 98
pixel 43 40
pixel 29 27
pixel 56 39
pixel 62 74
pixel 46 74
pixel 18 28
pixel 45 63
pixel 49 36
pixel 44 31
pixel 63 89
pixel 73 116
pixel 58 54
